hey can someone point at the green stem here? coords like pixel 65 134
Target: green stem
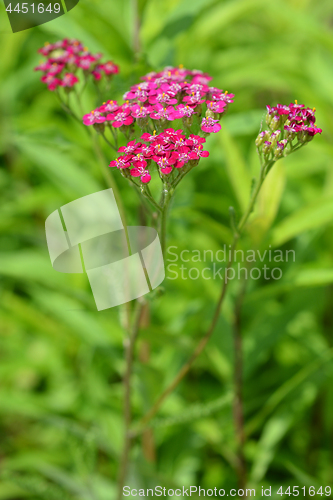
pixel 83 86
pixel 136 29
pixel 78 98
pixel 129 350
pixel 164 215
pixel 238 411
pixel 67 108
pixel 181 176
pixel 108 142
pixel 147 194
pixel 115 137
pixel 251 204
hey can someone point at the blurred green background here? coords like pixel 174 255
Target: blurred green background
pixel 61 361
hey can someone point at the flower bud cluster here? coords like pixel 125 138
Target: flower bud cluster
pixel 286 123
pixel 171 94
pixel 171 150
pixel 65 59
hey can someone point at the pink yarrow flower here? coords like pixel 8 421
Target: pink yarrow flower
pixel 165 162
pixel 161 113
pixel 296 118
pixel 51 81
pixel 194 99
pixel 120 117
pixel 65 57
pixel 109 68
pixel 169 150
pixel 209 125
pixel 171 94
pixel 216 106
pixel 69 80
pixel 139 161
pixel 197 152
pixel 56 68
pixel 161 97
pixel 142 173
pixel 93 117
pixel 131 148
pixel 137 93
pixel 43 66
pixel 109 107
pixel 140 111
pixel 122 162
pixel 184 110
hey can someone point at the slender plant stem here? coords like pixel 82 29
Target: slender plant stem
pixel 181 176
pixel 143 199
pixel 253 199
pixel 136 29
pixel 129 355
pixel 78 98
pixel 147 194
pixel 108 142
pixel 142 424
pixel 164 216
pixel 115 136
pixel 68 109
pixel 238 412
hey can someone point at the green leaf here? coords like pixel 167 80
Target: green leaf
pixel 313 277
pixel 287 388
pixel 310 217
pixel 268 202
pixel 272 434
pixel 236 168
pixel 60 168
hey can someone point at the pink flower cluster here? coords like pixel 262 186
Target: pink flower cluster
pixel 65 58
pixel 166 96
pixel 170 150
pixel 296 119
pixel 285 123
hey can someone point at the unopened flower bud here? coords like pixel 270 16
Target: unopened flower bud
pixel 262 137
pixel 279 150
pixel 275 122
pixel 99 127
pixel 267 147
pixel 125 172
pixel 290 135
pixel 274 137
pixel 210 114
pixel 187 121
pixel 283 119
pixel 142 122
pixel 302 136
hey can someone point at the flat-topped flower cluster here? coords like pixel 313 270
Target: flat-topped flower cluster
pixel 285 124
pixel 165 96
pixel 170 150
pixel 65 58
